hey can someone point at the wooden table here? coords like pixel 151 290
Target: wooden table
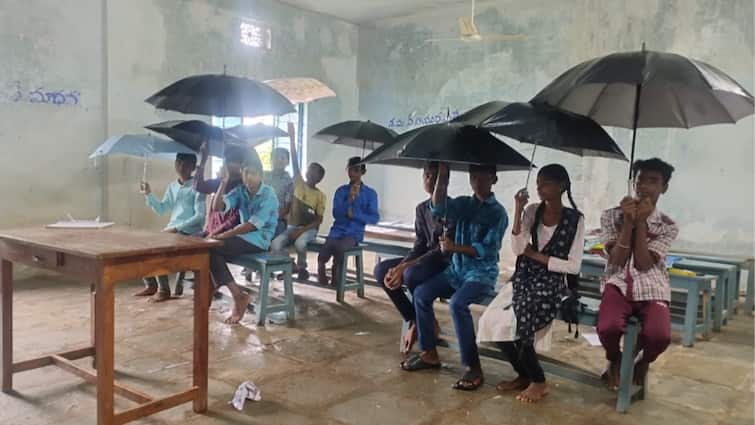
pixel 103 258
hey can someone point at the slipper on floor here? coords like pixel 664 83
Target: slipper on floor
pixel 469 382
pixel 416 363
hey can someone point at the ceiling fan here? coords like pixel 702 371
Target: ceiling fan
pixel 468 32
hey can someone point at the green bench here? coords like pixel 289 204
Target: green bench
pixel 690 298
pixel 267 264
pixel 627 391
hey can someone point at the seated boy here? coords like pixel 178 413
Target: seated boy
pixel 187 213
pixel 279 179
pixel 355 205
pixel 258 209
pixel 479 225
pixel 219 221
pixel 637 237
pixel 307 211
pixel 423 260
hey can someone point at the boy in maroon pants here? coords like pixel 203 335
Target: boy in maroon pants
pixel 637 237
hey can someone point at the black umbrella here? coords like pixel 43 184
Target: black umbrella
pixel 544 125
pixel 222 96
pixel 254 134
pixel 457 143
pixel 648 89
pixel 357 134
pixel 193 133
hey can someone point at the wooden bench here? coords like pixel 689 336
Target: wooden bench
pixel 690 298
pixel 588 317
pixel 267 264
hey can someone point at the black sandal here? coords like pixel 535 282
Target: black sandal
pixel 469 382
pixel 415 363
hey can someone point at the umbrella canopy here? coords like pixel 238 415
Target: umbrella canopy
pixel 222 96
pixel 193 133
pixel 301 90
pixel 544 125
pixel 457 143
pixel 646 89
pixel 254 134
pixel 358 134
pixel 141 145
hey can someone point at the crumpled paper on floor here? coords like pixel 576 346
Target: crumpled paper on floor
pixel 246 391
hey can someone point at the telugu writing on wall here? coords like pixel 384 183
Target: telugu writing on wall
pixel 18 92
pixel 413 119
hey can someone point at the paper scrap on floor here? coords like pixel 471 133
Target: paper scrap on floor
pixel 592 338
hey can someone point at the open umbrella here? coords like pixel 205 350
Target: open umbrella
pixel 301 90
pixel 253 134
pixel 141 145
pixel 221 95
pixel 459 144
pixel 544 125
pixel 357 134
pixel 647 89
pixel 193 133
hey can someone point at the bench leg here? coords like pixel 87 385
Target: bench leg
pixel 288 289
pixel 624 397
pixel 707 314
pixel 734 291
pixel 690 316
pixel 262 300
pixel 718 307
pixel 360 276
pixel 341 280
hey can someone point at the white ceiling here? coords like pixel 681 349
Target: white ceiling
pixel 360 11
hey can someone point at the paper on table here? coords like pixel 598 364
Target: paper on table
pixel 80 224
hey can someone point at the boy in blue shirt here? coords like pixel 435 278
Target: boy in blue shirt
pixel 187 213
pixel 258 210
pixel 355 205
pixel 480 223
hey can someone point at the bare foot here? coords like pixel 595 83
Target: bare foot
pixel 612 375
pixel 239 309
pixel 409 339
pixel 517 384
pixel 640 371
pixel 147 291
pixel 533 393
pixel 159 297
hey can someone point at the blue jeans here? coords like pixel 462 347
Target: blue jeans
pixel 281 242
pixel 413 276
pixel 439 286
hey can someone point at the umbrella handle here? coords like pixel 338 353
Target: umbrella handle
pixel 144 171
pixel 529 172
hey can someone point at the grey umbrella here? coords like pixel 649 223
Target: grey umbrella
pixel 646 89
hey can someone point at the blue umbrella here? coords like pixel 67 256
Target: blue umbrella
pixel 141 145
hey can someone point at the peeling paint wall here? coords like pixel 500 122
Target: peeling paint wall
pixel 117 53
pixel 711 194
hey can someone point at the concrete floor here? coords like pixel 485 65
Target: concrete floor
pixel 338 364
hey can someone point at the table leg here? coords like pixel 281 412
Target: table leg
pixel 6 316
pixel 750 297
pixel 734 297
pixel 92 326
pixel 201 325
pixel 104 322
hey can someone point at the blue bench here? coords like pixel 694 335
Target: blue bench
pixel 588 317
pixel 267 264
pixel 727 287
pixel 690 298
pixel 343 282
